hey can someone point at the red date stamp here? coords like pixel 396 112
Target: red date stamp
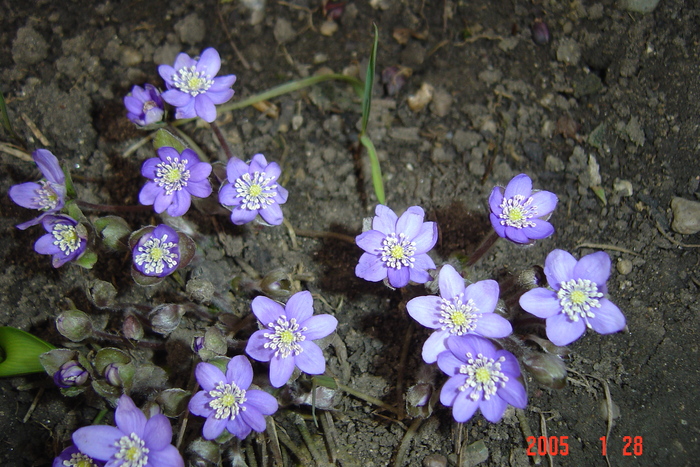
pixel 542 445
pixel 632 445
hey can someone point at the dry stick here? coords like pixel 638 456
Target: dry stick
pixel 674 241
pixel 274 441
pixel 604 246
pixel 368 398
pixel 483 247
pixel 527 432
pixel 35 402
pixel 222 141
pixel 240 56
pixel 330 435
pixel 317 234
pixel 406 442
pixel 308 439
pixel 303 457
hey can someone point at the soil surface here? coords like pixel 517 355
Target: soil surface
pixel 605 113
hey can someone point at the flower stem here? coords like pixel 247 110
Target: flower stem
pixel 367 398
pixel 486 244
pixel 111 207
pixel 222 141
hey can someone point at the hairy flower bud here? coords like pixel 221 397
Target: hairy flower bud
pixel 70 374
pixel 74 325
pixel 132 328
pixel 276 284
pixel 101 293
pixel 211 345
pixel 547 369
pixel 200 290
pixel 166 318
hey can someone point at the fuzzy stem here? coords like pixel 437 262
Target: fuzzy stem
pixel 112 207
pixel 222 141
pixel 485 246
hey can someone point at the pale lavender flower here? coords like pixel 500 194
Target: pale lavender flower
pixel 481 377
pixel 286 340
pixel 72 457
pixel 192 86
pixel 520 215
pixel 252 189
pixel 396 247
pixel 226 401
pixel 70 374
pixel 66 239
pixel 144 105
pixel 174 179
pixel 157 253
pixel 134 442
pixel 458 311
pixel 47 195
pixel 578 299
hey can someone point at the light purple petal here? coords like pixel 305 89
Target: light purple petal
pixel 97 441
pixel 273 169
pixel 434 345
pixel 281 370
pixel 177 98
pixel 266 310
pixel 450 390
pixel 493 325
pixel 199 189
pixel 410 222
pixel 209 62
pixel 213 427
pixel 162 201
pixel 541 229
pixel 370 241
pixel 149 193
pixel 449 362
pixel 513 393
pixel 241 216
pixel 49 166
pixel 608 318
pixel 562 331
pixel 239 371
pixel 464 407
pixel 311 360
pixel 485 295
pixel 426 238
pixel 180 204
pixel 272 214
pixel 199 404
pixel 128 417
pixel 450 282
pixel 24 194
pixel 461 345
pixel 150 166
pixel 255 348
pixel 594 267
pixel 222 83
pixel 253 418
pixel 235 168
pixel 370 268
pixel 199 171
pixel 559 267
pixel 186 111
pixel 493 408
pixel 418 273
pixel 516 235
pixel 228 195
pixel 319 326
pixel 45 246
pixel 519 185
pixel 238 428
pixel 495 200
pixel 425 310
pixel 158 432
pixel 166 72
pixel 219 97
pixel 282 195
pixel 510 365
pixel 398 277
pixel 385 220
pixel 545 201
pixel 497 226
pixel 133 105
pixel 205 108
pixel 265 403
pixel 258 163
pixel 208 376
pixel 541 302
pixel 169 456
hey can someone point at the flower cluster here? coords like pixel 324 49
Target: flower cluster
pixel 144 105
pixel 157 253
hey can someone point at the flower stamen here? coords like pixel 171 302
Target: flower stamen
pixel 66 238
pixel 157 253
pixel 78 459
pixel 397 252
pixel 132 451
pixel 577 297
pixel 191 81
pixel 172 175
pixel 257 190
pixel 483 375
pixel 286 337
pixel 457 317
pixel 46 197
pixel 517 212
pixel 227 401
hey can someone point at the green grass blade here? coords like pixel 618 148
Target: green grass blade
pixel 20 352
pixel 377 180
pixel 369 81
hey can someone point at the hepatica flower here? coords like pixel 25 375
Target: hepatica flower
pixel 396 247
pixel 144 105
pixel 520 215
pixel 458 311
pixel 481 377
pixel 226 401
pixel 72 457
pixel 70 374
pixel 252 189
pixel 157 253
pixel 192 86
pixel 173 179
pixel 66 240
pixel 134 442
pixel 577 300
pixel 47 195
pixel 286 340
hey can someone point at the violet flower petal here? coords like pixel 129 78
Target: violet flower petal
pixel 519 185
pixel 464 407
pixel 426 309
pixel 370 268
pixel 562 331
pixel 485 295
pixel 213 427
pixel 240 371
pixel 97 441
pixel 319 326
pixel 281 370
pixel 199 404
pixel 559 267
pixel 493 325
pixel 370 241
pixel 272 214
pixel 608 318
pixel 311 360
pixel 208 375
pixel 253 418
pixel 398 277
pixel 493 408
pixel 129 418
pixel 169 456
pixel 157 433
pixel 242 216
pixel 264 402
pixel 384 220
pixel 266 310
pixel 541 302
pixel 450 283
pixel 434 345
pixel 594 267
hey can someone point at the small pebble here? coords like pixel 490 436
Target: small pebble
pixel 435 460
pixel 686 216
pixel 624 266
pixel 328 28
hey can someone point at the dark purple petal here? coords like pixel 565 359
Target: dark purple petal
pixel 281 370
pixel 608 318
pixel 97 441
pixel 434 345
pixel 213 426
pixel 426 238
pixel 208 376
pixel 25 195
pixel 311 360
pixel 519 185
pixel 493 408
pixel 497 226
pixel 235 168
pixel 320 326
pixel 514 394
pixel 410 222
pixel 209 62
pixel 241 216
pixel 264 402
pixel 149 167
pixel 398 277
pixel 199 171
pixel 464 407
pixel 228 195
pixel 253 418
pixel 449 362
pixel 510 365
pixel 238 428
pixel 450 390
pixel 370 268
pixel 199 404
pixel 201 189
pixel 594 267
pixel 180 203
pixel 45 246
pixel 541 302
pixel 385 220
pixel 545 201
pixel 541 229
pixel 493 325
pixel 266 310
pixel 495 200
pixel 149 193
pixel 129 418
pixel 205 108
pixel 162 201
pixel 426 310
pixel 516 235
pixel 559 267
pixel 158 432
pixel 169 456
pixel 485 295
pixel 177 98
pixel 272 214
pixel 239 371
pixel 562 331
pixel 49 166
pixel 370 241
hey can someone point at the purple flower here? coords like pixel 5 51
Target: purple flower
pixel 480 377
pixel 520 215
pixel 70 374
pixel 174 179
pixel 66 240
pixel 396 247
pixel 72 457
pixel 458 311
pixel 192 87
pixel 578 299
pixel 252 190
pixel 46 195
pixel 227 402
pixel 135 441
pixel 144 105
pixel 286 340
pixel 157 253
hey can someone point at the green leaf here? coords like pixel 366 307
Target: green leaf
pixel 325 381
pixel 70 188
pixel 5 119
pixel 377 180
pixel 114 231
pixel 87 260
pixel 600 193
pixel 369 81
pixel 19 352
pixel 165 138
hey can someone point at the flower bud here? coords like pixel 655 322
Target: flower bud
pixel 200 290
pixel 112 374
pixel 173 401
pixel 132 328
pixel 74 325
pixel 101 293
pixel 547 369
pixel 197 344
pixel 276 284
pixel 70 374
pixel 120 374
pixel 211 345
pixel 420 399
pixel 540 32
pixel 532 278
pixel 166 318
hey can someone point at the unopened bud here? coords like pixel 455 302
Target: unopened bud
pixel 101 293
pixel 419 400
pixel 532 278
pixel 173 401
pixel 74 325
pixel 70 374
pixel 197 344
pixel 112 374
pixel 540 32
pixel 166 318
pixel 200 290
pixel 276 284
pixel 547 369
pixel 132 328
pixel 119 374
pixel 211 345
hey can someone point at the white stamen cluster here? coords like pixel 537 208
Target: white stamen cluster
pixel 172 175
pixel 397 252
pixel 78 459
pixel 285 338
pixel 517 212
pixel 577 297
pixel 227 400
pixel 457 317
pixel 256 190
pixel 483 374
pixel 132 451
pixel 156 255
pixel 191 81
pixel 66 238
pixel 46 197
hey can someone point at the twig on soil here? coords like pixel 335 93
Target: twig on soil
pixel 240 56
pixel 402 365
pixel 309 11
pixel 406 442
pixel 605 246
pixel 292 234
pixel 303 456
pixel 543 424
pixel 134 147
pixel 330 435
pixel 367 398
pixel 32 126
pixel 35 402
pixel 274 441
pixel 317 234
pixel 222 141
pixel 674 241
pixel 527 432
pixel 308 439
pixel 16 152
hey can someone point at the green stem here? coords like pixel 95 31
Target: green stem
pixel 377 181
pixel 111 207
pixel 99 417
pixel 486 244
pixel 367 398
